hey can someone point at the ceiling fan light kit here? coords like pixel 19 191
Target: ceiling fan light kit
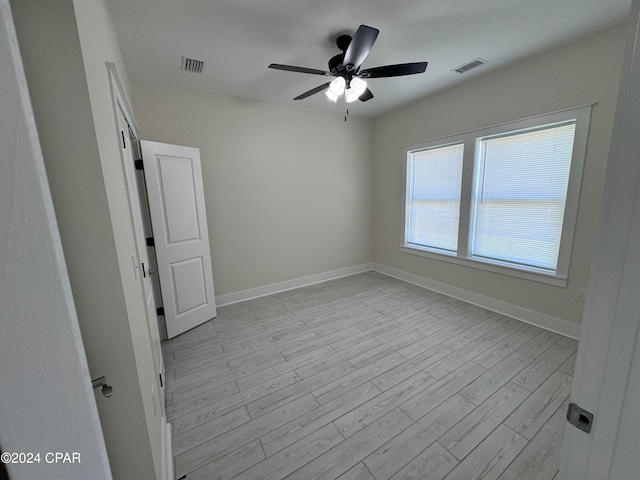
pixel 336 88
pixel 356 88
pixel 345 67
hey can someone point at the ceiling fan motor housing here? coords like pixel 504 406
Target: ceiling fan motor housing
pixel 343 42
pixel 335 64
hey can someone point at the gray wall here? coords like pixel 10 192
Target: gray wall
pixel 288 190
pixel 58 84
pixel 47 402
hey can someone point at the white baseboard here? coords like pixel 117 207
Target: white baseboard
pixel 167 453
pixel 251 293
pixel 532 317
pixel 538 319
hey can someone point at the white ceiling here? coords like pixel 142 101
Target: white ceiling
pixel 238 39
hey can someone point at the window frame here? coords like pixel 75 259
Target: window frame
pixel 471 139
pixel 410 190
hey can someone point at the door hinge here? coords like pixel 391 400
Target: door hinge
pixel 139 164
pixel 151 242
pixel 124 143
pixel 160 311
pixel 579 417
pixel 160 375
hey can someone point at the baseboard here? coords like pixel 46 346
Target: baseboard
pixel 538 319
pixel 532 317
pixel 167 453
pixel 251 293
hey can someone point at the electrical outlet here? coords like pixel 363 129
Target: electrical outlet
pixel 580 294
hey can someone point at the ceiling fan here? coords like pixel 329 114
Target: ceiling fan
pixel 345 67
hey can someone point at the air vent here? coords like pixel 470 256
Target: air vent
pixel 191 65
pixel 468 66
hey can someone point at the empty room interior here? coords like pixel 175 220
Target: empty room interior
pixel 393 269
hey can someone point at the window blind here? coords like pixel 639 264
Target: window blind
pixel 519 196
pixel 433 200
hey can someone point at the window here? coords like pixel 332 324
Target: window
pixel 502 198
pixel 433 202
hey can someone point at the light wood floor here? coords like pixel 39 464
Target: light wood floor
pixel 366 377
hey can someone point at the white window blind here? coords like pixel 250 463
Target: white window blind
pixel 519 196
pixel 433 201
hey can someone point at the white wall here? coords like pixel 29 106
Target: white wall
pixel 47 402
pixel 288 190
pixel 99 45
pixel 581 73
pixel 70 93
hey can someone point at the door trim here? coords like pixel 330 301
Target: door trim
pixel 117 82
pixel 612 311
pixel 121 101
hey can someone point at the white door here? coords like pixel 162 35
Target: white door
pixel 176 200
pixel 607 375
pixel 142 262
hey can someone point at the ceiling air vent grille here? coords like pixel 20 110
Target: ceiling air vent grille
pixel 192 65
pixel 468 66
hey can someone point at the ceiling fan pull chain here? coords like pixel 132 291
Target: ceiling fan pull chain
pixel 345 117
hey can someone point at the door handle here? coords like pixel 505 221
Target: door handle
pixel 107 389
pixel 148 271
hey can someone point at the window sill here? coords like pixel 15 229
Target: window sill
pixel 555 280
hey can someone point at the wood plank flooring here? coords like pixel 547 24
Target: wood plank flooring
pixel 366 377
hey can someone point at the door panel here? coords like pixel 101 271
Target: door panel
pixel 189 280
pixel 176 201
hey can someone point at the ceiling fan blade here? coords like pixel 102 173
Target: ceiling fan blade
pixel 291 68
pixel 360 46
pixel 367 95
pixel 394 70
pixel 312 92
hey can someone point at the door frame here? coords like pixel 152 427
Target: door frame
pixel 141 271
pixel 120 101
pixel 609 338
